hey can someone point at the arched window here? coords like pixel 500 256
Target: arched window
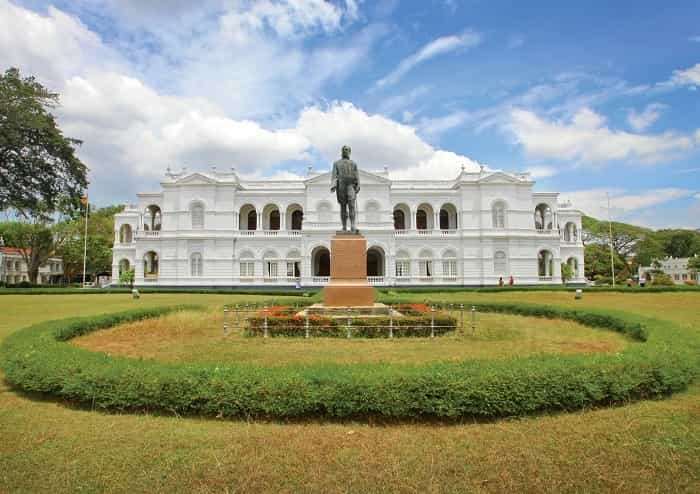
pixel 570 232
pixel 399 220
pixel 498 215
pixel 449 265
pixel 500 263
pixel 275 219
pixel 444 220
pixel 403 265
pixel 252 220
pixel 124 266
pixel 197 213
pixel 543 217
pixel 150 265
pixel 196 264
pixel 545 264
pixel 425 263
pixel 247 265
pixel 125 236
pixel 421 220
pixel 297 218
pixel 152 218
pixel 271 265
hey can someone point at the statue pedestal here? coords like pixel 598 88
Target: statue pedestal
pixel 348 284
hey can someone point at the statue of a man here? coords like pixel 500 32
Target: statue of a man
pixel 345 182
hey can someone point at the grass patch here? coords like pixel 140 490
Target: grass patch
pixel 645 447
pixel 36 360
pixel 197 337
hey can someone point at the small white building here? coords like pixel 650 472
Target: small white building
pixel 13 269
pixel 215 229
pixel 675 267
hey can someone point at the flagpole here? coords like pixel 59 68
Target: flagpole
pixel 87 213
pixel 612 262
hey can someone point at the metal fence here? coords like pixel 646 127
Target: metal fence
pixel 237 318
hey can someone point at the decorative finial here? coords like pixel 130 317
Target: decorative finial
pixel 463 167
pixel 309 168
pixel 213 169
pixel 233 169
pixel 386 170
pixel 168 171
pixel 481 168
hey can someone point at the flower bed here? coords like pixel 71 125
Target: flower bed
pixel 417 321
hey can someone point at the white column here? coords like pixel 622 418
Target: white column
pixel 283 221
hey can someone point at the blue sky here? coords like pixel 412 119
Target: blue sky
pixel 591 97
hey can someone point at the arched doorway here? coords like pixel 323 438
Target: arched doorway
pixel 375 261
pixel 321 260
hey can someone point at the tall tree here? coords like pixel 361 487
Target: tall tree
pixel 39 171
pixel 624 236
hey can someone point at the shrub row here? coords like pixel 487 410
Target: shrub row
pixel 38 359
pixel 45 290
pixel 361 327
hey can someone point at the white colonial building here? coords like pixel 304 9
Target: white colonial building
pixel 215 229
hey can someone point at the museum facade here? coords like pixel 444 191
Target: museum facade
pixel 216 229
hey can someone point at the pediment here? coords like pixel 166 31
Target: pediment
pixel 195 179
pixel 498 178
pixel 366 178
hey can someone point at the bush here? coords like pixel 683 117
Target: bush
pixel 37 359
pixel 662 279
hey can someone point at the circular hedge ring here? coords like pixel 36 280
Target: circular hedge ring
pixel 38 359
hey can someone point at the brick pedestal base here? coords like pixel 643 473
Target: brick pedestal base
pixel 348 284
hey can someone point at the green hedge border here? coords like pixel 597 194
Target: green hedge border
pixel 37 359
pixel 314 291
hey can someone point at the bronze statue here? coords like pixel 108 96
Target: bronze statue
pixel 345 182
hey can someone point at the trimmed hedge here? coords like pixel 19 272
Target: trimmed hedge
pixel 37 359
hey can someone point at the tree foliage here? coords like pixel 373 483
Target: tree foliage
pixel 36 242
pixel 40 172
pixel 100 239
pixel 567 272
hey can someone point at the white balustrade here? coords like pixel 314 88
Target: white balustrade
pixel 375 280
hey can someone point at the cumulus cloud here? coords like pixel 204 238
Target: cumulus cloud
pixel 377 141
pixel 640 121
pixel 54 45
pixel 586 138
pixel 686 77
pixel 594 202
pixel 439 46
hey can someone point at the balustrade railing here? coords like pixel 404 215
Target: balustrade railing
pixel 375 280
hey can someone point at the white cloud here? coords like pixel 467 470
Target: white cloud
pixel 54 45
pixel 439 46
pixel 377 141
pixel 640 121
pixel 433 126
pixel 696 39
pixel 393 104
pixel 686 77
pixel 288 18
pixel 542 171
pixel 697 196
pixel 586 138
pixel 594 202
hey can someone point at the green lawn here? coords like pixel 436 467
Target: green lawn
pixel 197 337
pixel 650 446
